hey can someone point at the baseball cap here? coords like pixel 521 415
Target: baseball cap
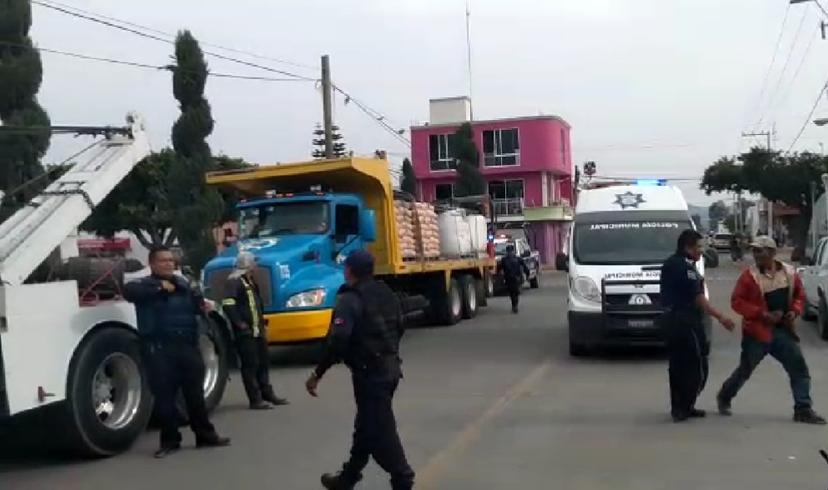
pixel 763 242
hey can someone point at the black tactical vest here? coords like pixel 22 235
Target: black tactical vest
pixel 381 326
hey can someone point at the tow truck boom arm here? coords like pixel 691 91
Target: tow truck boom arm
pixel 38 228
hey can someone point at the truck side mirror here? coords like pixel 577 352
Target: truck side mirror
pixel 368 225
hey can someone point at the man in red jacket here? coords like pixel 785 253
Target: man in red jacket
pixel 770 297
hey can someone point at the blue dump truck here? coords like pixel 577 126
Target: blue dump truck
pixel 301 221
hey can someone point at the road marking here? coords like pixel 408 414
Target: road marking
pixel 436 466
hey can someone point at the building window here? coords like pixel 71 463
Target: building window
pixel 443 192
pixel 507 196
pixel 501 147
pixel 442 150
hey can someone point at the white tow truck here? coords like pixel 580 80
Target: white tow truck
pixel 74 357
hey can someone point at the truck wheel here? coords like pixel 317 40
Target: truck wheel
pixel 490 285
pixel 447 306
pixel 534 282
pixel 216 354
pixel 822 318
pixel 468 286
pixel 108 400
pixel 482 299
pixel 577 350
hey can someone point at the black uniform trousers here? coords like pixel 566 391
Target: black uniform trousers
pixel 688 351
pixel 176 364
pixel 513 287
pixel 375 428
pixel 255 367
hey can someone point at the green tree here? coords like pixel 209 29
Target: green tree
pixel 470 181
pixel 141 203
pixel 196 208
pixel 717 212
pixel 784 178
pixel 409 180
pixel 21 74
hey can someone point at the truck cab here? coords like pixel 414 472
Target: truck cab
pixel 300 241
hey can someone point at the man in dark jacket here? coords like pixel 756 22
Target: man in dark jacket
pixel 365 334
pixel 513 269
pixel 682 293
pixel 167 307
pixel 243 305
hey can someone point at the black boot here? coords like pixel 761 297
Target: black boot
pixel 808 416
pixel 213 440
pixel 275 400
pixel 166 450
pixel 337 482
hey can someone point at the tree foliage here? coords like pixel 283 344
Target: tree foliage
pixel 784 178
pixel 470 181
pixel 409 180
pixel 141 203
pixel 21 74
pixel 196 208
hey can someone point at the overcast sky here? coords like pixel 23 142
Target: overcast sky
pixel 651 87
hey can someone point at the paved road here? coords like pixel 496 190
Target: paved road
pixel 497 403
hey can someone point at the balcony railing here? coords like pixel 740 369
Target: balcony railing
pixel 508 207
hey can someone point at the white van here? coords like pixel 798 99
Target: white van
pixel 620 238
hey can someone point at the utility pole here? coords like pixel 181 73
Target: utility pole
pixel 469 57
pixel 327 114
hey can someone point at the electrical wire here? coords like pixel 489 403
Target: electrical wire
pixel 163 33
pixel 810 115
pixel 377 116
pixel 167 41
pixel 787 91
pixel 136 64
pixel 773 58
pixel 784 67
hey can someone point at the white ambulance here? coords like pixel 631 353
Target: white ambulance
pixel 620 237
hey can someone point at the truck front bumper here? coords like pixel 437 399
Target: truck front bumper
pixel 297 326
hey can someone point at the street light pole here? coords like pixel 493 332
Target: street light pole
pixel 823 25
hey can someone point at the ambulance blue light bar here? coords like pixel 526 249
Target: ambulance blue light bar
pixel 651 182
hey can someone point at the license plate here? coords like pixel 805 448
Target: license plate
pixel 640 323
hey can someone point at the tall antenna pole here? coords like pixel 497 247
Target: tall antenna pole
pixel 469 56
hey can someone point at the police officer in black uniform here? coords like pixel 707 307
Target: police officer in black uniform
pixel 244 308
pixel 365 334
pixel 167 307
pixel 682 293
pixel 513 269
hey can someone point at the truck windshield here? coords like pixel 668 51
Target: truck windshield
pixel 627 242
pixel 295 218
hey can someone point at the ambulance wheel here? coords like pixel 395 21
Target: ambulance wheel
pixel 108 401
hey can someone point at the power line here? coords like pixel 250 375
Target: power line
pixel 787 91
pixel 136 64
pixel 810 115
pixel 377 116
pixel 773 58
pixel 785 66
pixel 163 33
pixel 167 41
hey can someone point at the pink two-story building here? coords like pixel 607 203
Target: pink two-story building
pixel 526 161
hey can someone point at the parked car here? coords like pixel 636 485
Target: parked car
pixel 522 250
pixel 814 275
pixel 721 241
